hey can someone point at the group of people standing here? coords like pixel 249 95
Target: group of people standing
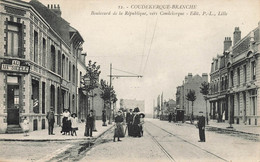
pixel 135 121
pixel 69 122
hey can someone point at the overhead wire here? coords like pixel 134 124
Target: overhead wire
pixel 143 47
pixel 150 45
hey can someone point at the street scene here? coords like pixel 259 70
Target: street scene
pixel 132 80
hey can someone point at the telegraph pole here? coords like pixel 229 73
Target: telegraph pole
pixel 117 76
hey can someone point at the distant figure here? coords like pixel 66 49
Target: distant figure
pixel 119 130
pixel 170 117
pixel 74 124
pixel 89 124
pixel 129 122
pixel 223 117
pixel 141 123
pixel 104 118
pixel 25 126
pixel 51 120
pixel 201 126
pixel 136 122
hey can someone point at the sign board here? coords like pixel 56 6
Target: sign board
pixel 15 67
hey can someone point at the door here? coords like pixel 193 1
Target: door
pixel 13 104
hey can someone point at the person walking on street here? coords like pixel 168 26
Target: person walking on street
pixel 129 122
pixel 119 131
pixel 89 124
pixel 201 126
pixel 170 117
pixel 74 124
pixel 51 120
pixel 141 123
pixel 66 124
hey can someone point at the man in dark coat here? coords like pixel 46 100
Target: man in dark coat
pixel 170 117
pixel 129 122
pixel 51 120
pixel 89 124
pixel 201 126
pixel 104 119
pixel 118 126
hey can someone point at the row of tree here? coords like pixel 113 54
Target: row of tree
pixel 191 96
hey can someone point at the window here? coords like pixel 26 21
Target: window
pixel 253 101
pixel 238 104
pixel 52 97
pixel 43 97
pixel 253 70
pixel 245 74
pixel 43 52
pixel 226 82
pixel 232 78
pixel 59 62
pixel 35 95
pixel 13 39
pixel 53 60
pixel 35 47
pixel 73 74
pixel 70 71
pixel 238 76
pixel 63 65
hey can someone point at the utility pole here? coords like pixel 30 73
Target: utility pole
pixel 117 76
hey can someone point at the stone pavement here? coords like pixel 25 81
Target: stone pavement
pixel 248 129
pixel 42 135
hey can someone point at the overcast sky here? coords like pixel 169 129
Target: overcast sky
pixel 162 48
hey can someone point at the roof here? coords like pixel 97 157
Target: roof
pixel 58 24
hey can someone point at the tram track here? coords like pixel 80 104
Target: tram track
pixel 168 154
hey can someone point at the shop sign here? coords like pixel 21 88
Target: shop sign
pixel 15 66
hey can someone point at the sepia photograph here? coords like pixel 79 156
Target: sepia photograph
pixel 129 80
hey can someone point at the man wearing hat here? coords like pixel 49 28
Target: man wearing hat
pixel 51 120
pixel 201 126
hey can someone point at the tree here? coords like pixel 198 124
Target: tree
pixel 190 96
pixel 204 89
pixel 90 81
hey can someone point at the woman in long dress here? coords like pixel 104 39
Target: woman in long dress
pixel 66 124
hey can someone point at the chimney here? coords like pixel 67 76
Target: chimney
pixel 227 43
pixel 205 77
pixel 55 8
pixel 236 35
pixel 189 76
pixel 186 79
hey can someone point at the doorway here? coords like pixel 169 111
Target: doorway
pixel 13 104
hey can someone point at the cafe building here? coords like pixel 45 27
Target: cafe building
pixel 38 64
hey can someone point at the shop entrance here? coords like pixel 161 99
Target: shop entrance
pixel 13 104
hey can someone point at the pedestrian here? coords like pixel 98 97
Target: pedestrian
pixel 223 117
pixel 141 123
pixel 129 122
pixel 89 124
pixel 51 120
pixel 170 117
pixel 74 124
pixel 119 131
pixel 25 126
pixel 201 126
pixel 104 119
pixel 136 122
pixel 66 124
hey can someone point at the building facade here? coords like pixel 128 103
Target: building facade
pixel 240 83
pixel 132 103
pixel 191 83
pixel 38 56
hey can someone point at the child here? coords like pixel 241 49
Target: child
pixel 25 126
pixel 141 124
pixel 74 124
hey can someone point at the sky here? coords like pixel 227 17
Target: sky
pixel 161 48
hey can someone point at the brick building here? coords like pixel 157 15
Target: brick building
pixel 191 83
pixel 238 85
pixel 39 54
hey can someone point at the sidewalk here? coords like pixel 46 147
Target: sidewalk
pixel 42 135
pixel 248 129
